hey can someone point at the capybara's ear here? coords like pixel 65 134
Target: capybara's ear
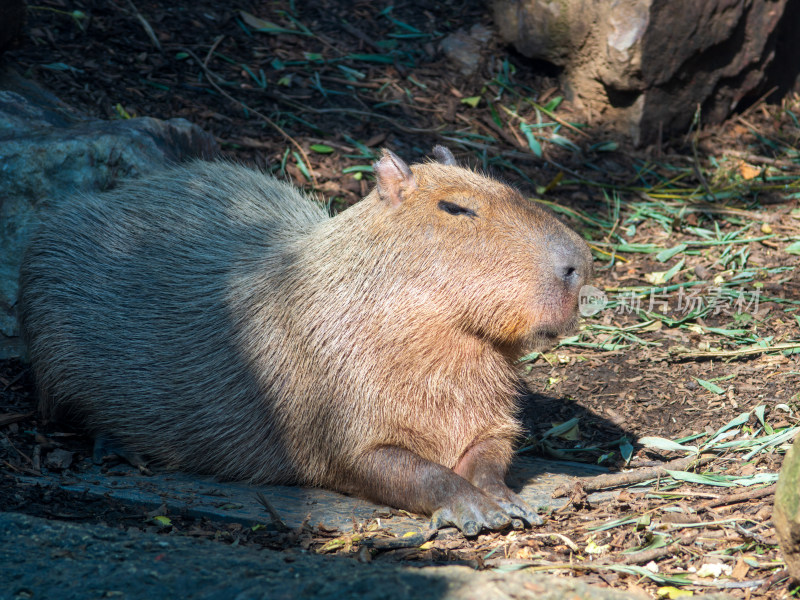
pixel 443 155
pixel 395 179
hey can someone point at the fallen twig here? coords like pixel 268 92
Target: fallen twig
pixel 733 353
pixel 610 480
pixel 568 542
pixel 740 497
pixel 753 536
pixel 146 26
pixel 275 518
pixel 409 541
pixel 645 556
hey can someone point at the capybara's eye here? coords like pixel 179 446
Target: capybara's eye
pixel 454 209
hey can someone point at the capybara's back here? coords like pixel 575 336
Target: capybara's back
pixel 127 303
pixel 217 320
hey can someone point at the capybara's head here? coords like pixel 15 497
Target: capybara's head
pixel 477 253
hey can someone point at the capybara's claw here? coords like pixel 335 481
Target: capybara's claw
pixel 471 516
pixel 515 506
pixel 524 512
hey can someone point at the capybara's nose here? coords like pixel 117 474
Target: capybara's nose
pixel 570 267
pixel 569 274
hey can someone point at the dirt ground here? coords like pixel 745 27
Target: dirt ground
pixel 691 338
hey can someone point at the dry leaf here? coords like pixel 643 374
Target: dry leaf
pixel 748 171
pixel 671 592
pixel 740 570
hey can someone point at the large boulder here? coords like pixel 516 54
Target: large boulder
pixel 47 150
pixel 644 66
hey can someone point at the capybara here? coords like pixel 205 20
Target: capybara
pixel 215 319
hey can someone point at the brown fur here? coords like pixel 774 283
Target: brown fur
pixel 218 321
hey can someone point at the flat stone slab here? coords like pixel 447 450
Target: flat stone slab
pixel 55 559
pixel 534 479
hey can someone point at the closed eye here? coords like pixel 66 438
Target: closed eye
pixel 455 209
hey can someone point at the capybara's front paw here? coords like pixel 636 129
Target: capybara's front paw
pixel 515 506
pixel 471 515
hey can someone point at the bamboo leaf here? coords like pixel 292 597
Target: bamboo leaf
pixel 793 248
pixel 665 255
pixel 711 387
pixel 699 479
pixel 664 444
pixel 533 143
pixel 321 148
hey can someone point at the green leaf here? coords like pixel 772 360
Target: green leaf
pixel 759 410
pixel 757 479
pixel 776 439
pixel 732 333
pixel 321 148
pixel 665 444
pixel 642 572
pixel 644 248
pixel 301 165
pixel 665 255
pixel 121 111
pixel 495 116
pixel 735 422
pixel 605 457
pixel 560 429
pixel 793 248
pixel 564 142
pixel 266 26
pixel 615 523
pixel 700 479
pixel 674 270
pixel 533 143
pixel 373 58
pixel 351 72
pixel 626 450
pixel 530 357
pixel 657 541
pixel 471 101
pixel 553 104
pixel 162 521
pixel 662 277
pixel 60 66
pixel 358 169
pixel 711 387
pixel 604 147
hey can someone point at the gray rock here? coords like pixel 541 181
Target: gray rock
pixel 204 497
pixel 59 459
pixel 52 559
pixel 463 48
pixel 645 65
pixel 48 149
